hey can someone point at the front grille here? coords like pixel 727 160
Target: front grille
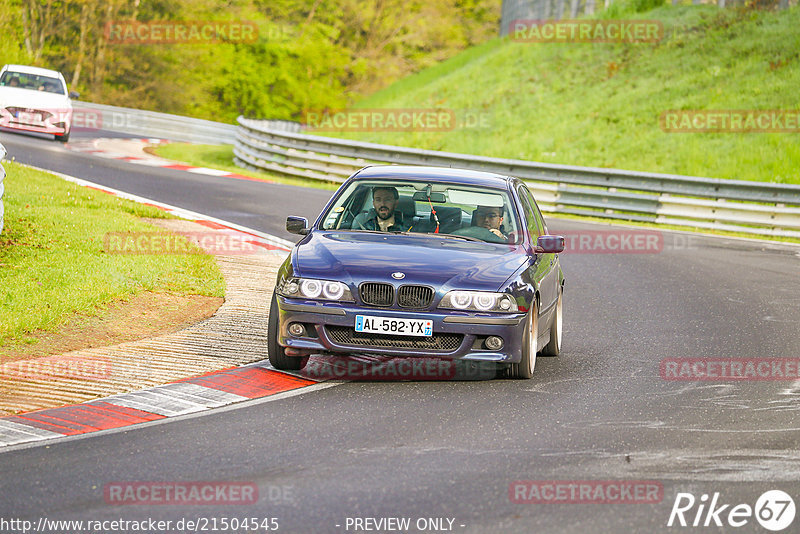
pixel 414 296
pixel 344 335
pixel 377 294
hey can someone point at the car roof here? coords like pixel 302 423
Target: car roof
pixel 416 173
pixel 27 69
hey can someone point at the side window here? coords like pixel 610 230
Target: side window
pixel 530 214
pixel 539 218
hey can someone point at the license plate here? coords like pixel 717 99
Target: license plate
pixel 394 326
pixel 29 118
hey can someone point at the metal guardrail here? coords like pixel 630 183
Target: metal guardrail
pixel 2 186
pixel 735 205
pixel 88 115
pixel 161 125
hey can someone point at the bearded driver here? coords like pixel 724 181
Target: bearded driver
pixel 383 216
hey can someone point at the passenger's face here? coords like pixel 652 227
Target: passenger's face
pixel 384 203
pixel 490 218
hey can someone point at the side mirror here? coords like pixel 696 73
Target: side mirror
pixel 549 244
pixel 296 225
pixel 74 95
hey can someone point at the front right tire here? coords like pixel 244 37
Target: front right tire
pixel 275 352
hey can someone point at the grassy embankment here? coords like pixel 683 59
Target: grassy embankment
pixel 597 104
pixel 52 261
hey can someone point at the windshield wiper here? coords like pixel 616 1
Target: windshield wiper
pixel 454 236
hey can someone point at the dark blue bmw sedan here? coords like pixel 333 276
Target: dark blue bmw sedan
pixel 421 262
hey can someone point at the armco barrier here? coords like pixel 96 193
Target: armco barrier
pixel 163 125
pixel 2 186
pixel 735 205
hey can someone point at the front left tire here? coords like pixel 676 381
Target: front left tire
pixel 62 138
pixel 553 347
pixel 524 369
pixel 275 352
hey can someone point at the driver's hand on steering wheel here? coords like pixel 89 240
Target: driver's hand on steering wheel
pixel 497 232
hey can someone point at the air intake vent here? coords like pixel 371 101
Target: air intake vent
pixel 414 296
pixel 377 294
pixel 342 335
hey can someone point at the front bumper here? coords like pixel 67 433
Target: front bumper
pixel 47 123
pixel 329 328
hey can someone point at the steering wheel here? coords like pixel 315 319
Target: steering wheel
pixel 479 232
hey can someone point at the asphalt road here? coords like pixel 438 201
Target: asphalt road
pixel 600 411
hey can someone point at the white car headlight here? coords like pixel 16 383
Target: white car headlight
pixel 311 288
pixel 482 301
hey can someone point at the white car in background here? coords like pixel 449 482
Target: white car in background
pixel 35 100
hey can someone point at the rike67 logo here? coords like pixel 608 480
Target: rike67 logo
pixel 774 510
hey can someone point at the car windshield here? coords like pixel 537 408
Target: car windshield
pixel 464 212
pixel 33 82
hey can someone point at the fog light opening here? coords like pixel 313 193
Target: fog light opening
pixel 494 343
pixel 297 330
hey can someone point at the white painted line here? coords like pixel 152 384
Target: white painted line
pixel 178 212
pixel 150 162
pixel 210 172
pixel 210 398
pixel 12 433
pixel 158 402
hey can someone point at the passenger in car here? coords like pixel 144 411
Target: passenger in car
pixel 384 215
pixel 489 217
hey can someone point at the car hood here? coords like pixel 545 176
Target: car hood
pixel 25 98
pixel 444 263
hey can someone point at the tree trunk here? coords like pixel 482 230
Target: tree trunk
pixel 76 76
pixel 560 9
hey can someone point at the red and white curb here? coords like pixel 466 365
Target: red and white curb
pixel 188 396
pixel 132 151
pixel 191 395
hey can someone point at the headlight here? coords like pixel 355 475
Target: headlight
pixel 482 301
pixel 311 288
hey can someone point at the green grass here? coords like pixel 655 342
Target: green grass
pixel 221 157
pixel 599 104
pixel 52 262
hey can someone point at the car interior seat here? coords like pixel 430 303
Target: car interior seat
pixel 449 219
